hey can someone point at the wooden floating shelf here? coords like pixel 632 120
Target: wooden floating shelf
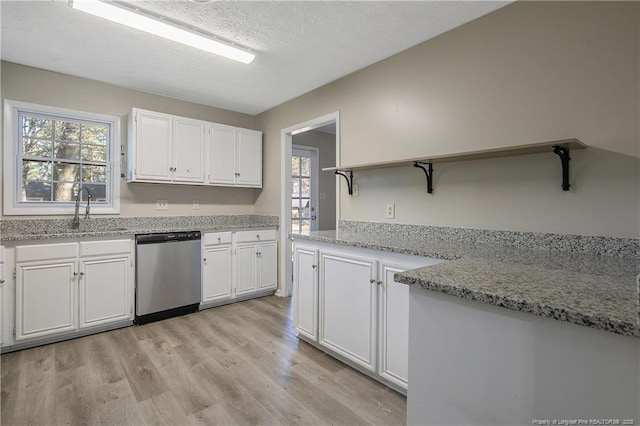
pixel 535 148
pixel 559 147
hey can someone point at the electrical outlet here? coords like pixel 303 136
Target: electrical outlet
pixel 196 205
pixel 391 211
pixel 162 205
pixel 355 190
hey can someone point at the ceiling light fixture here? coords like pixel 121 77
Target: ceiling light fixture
pixel 162 27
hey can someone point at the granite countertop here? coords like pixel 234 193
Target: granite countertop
pixel 580 287
pixel 47 229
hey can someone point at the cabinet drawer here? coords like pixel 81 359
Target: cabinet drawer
pixel 257 235
pixel 213 238
pixel 46 252
pixel 95 248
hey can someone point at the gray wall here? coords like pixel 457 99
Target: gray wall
pixel 530 72
pixel 26 84
pixel 326 144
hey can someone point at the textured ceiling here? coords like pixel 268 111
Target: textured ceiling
pixel 300 45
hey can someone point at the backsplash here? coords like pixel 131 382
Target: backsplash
pixel 609 246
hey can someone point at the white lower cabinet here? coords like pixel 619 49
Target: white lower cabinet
pixel 61 288
pixel 305 292
pixel 346 301
pixel 105 289
pixel 240 263
pixel 216 273
pixel 393 325
pixel 246 268
pixel 3 262
pixel 347 307
pixel 267 276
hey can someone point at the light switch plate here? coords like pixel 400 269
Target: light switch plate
pixel 355 190
pixel 162 205
pixel 391 211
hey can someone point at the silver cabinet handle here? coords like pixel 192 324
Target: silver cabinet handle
pixel 219 239
pixel 81 274
pixel 75 274
pixel 258 236
pixel 2 281
pixel 372 281
pixel 314 266
pixel 379 282
pixel 204 260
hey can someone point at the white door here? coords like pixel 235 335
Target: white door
pixel 267 264
pixel 393 325
pixel 348 306
pixel 153 146
pixel 216 273
pixel 188 150
pixel 305 292
pixel 246 268
pixel 105 289
pixel 46 298
pixel 249 165
pixel 304 181
pixel 222 155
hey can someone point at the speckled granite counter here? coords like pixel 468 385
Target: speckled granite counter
pixel 42 229
pixel 567 278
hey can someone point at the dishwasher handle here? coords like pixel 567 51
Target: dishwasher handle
pixel 167 237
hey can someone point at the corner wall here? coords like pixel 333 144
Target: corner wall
pixel 529 72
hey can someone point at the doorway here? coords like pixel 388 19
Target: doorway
pixel 286 173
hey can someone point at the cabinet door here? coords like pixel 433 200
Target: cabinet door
pixel 188 150
pixel 153 146
pixel 3 263
pixel 305 292
pixel 246 268
pixel 46 298
pixel 348 306
pixel 393 327
pixel 249 165
pixel 216 273
pixel 105 289
pixel 222 156
pixel 267 264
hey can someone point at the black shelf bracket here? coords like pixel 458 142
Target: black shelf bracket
pixel 563 153
pixel 428 173
pixel 349 180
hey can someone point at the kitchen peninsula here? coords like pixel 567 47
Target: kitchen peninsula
pixel 471 361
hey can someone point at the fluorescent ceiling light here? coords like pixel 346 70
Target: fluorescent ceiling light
pixel 152 24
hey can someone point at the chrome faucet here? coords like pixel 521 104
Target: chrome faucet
pixel 76 220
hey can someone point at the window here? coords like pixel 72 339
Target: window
pixel 50 153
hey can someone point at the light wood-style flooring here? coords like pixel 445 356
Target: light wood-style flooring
pixel 234 364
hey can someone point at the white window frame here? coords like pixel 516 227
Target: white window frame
pixel 12 204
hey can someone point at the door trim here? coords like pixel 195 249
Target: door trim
pixel 286 141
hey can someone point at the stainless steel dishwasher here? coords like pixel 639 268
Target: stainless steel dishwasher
pixel 168 275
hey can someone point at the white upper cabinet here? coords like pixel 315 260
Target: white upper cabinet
pixel 171 149
pixel 165 148
pixel 222 155
pixel 249 158
pixel 188 150
pixel 153 145
pixel 235 157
